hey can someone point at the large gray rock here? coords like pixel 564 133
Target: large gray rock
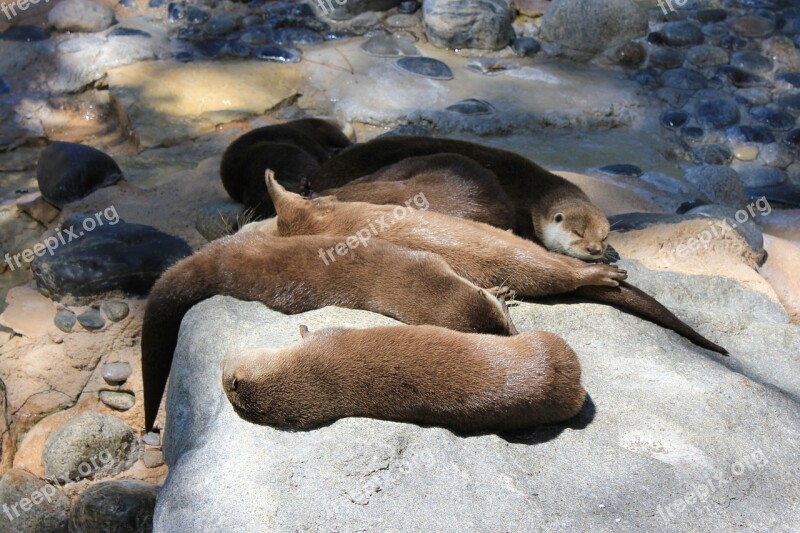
pixel 30 505
pixel 669 423
pixel 720 184
pixel 584 28
pixel 115 507
pixel 468 23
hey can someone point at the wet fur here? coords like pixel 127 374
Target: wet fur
pixel 424 374
pixel 288 276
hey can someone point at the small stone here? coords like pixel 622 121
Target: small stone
pixel 791 102
pixel 792 138
pixel 151 438
pixel 115 310
pixel 758 175
pixel 153 458
pixel 712 154
pixel 426 67
pixel 751 62
pixel 681 78
pixel 25 34
pixel 116 373
pixel 408 7
pixel 176 11
pixel 631 171
pixel 91 319
pixel 745 152
pixel 693 133
pixel 278 54
pixel 681 33
pixel 708 16
pixel 648 77
pixel 257 35
pixel 210 48
pixel 69 171
pixel 220 26
pixel 792 78
pixel 218 219
pixel 749 134
pixel 707 56
pixel 115 506
pixel 774 118
pixel 717 114
pixel 753 26
pixel 630 54
pixel 297 36
pixel 674 119
pixel 472 106
pixel 119 400
pixel 196 15
pixel 81 16
pixel 666 58
pixel 129 32
pixel 738 77
pixel 776 155
pixel 250 21
pixel 753 96
pixel 65 320
pixel 526 46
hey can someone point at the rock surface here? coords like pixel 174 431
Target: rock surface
pixel 31 505
pixel 80 15
pixel 468 23
pixel 28 312
pixel 660 413
pixel 69 171
pixel 115 507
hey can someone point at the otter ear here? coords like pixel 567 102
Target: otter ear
pixel 276 191
pixel 559 218
pixel 304 331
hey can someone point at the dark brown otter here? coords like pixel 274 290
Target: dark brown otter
pixel 420 374
pixel 297 148
pixel 292 276
pixel 558 212
pixel 483 254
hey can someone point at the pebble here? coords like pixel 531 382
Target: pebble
pixel 776 155
pixel 176 11
pixel 630 54
pixel 792 138
pixel 693 133
pixel 25 34
pixel 250 21
pixel 118 400
pixel 753 96
pixel 220 25
pixel 80 16
pixel 681 33
pixel 712 154
pixel 426 67
pixel 4 87
pixel 707 56
pixel 91 319
pixel 210 48
pixel 708 16
pixel 116 373
pixel 408 7
pixel 153 458
pixel 157 3
pixel 648 77
pixel 257 35
pixel 388 46
pixel 115 310
pixel 526 46
pixel 623 169
pixel 719 183
pixel 733 42
pixel 674 119
pixel 745 152
pixel 792 78
pixel 738 77
pixel 751 61
pixel 749 134
pixel 196 16
pixel 717 114
pixel 758 175
pixel 218 219
pixel 472 106
pixel 65 320
pixel 666 58
pixel 791 102
pixel 278 54
pixel 776 119
pixel 151 438
pixel 681 78
pixel 753 26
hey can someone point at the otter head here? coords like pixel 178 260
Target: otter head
pixel 295 215
pixel 579 231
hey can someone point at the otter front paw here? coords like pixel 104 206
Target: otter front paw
pixel 600 274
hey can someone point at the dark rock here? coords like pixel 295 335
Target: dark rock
pixel 338 10
pixel 91 319
pixel 484 24
pixel 739 77
pixel 472 106
pixel 196 15
pixel 115 310
pixel 210 48
pixel 117 400
pixel 69 171
pixel 630 54
pixel 751 61
pixel 719 183
pixel 128 32
pixel 4 87
pixel 666 58
pixel 257 35
pixel 221 25
pixel 749 134
pixel 774 118
pixel 716 114
pixel 25 34
pixel 681 78
pixel 792 78
pixel 734 42
pixel 184 56
pixel 121 257
pixel 648 77
pixel 250 21
pixel 190 34
pixel 297 36
pixel 526 46
pixel 674 119
pixel 712 154
pixel 157 3
pixel 115 507
pixel 758 175
pixel 278 54
pixel 408 7
pixel 21 514
pixel 176 11
pixel 753 96
pixel 793 137
pixel 753 26
pixel 790 102
pixel 116 373
pixel 748 229
pixel 704 56
pixel 388 46
pixel 786 195
pixel 708 16
pixel 681 33
pixel 426 66
pixel 693 133
pixel 631 171
pixel 65 320
pixel 408 129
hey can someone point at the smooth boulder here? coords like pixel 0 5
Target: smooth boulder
pixel 484 24
pixel 67 172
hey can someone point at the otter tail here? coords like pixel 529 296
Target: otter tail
pixel 178 289
pixel 635 301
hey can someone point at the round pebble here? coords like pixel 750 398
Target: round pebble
pixel 91 319
pixel 257 35
pixel 426 66
pixel 774 118
pixel 751 61
pixel 681 33
pixel 681 78
pixel 738 77
pixel 693 133
pixel 195 15
pixel 758 175
pixel 776 155
pixel 753 96
pixel 116 373
pixel 220 26
pixel 630 54
pixel 237 49
pixel 65 320
pixel 717 114
pixel 526 46
pixel 472 106
pixel 623 169
pixel 707 55
pixel 712 154
pixel 749 134
pixel 674 119
pixel 151 438
pixel 120 401
pixel 792 138
pixel 388 46
pixel 153 458
pixel 745 152
pixel 665 58
pixel 115 310
pixel 753 26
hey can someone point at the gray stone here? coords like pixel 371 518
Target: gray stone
pixel 776 155
pixel 758 175
pixel 153 458
pixel 152 438
pixel 588 28
pixel 665 417
pixel 115 310
pixel 707 56
pixel 80 15
pixel 116 373
pixel 119 400
pixel 65 320
pixel 88 445
pixel 115 507
pixel 218 219
pixel 482 24
pixel 91 319
pixel 31 505
pixel 719 183
pixel 681 33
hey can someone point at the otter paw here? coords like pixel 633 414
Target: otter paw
pixel 609 275
pixel 502 293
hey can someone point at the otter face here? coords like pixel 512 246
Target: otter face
pixel 579 233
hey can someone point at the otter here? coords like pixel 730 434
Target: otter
pixel 483 254
pixel 557 212
pixel 420 374
pixel 297 148
pixel 289 275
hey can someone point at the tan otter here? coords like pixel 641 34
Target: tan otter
pixel 420 374
pixel 290 276
pixel 295 149
pixel 453 184
pixel 485 255
pixel 562 216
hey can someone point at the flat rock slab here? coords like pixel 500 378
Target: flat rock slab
pixel 675 438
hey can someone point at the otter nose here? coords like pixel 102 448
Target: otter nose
pixel 593 249
pixel 231 378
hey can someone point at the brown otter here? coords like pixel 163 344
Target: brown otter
pixel 562 216
pixel 485 255
pixel 290 276
pixel 453 184
pixel 297 148
pixel 419 374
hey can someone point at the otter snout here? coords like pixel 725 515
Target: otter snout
pixel 594 249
